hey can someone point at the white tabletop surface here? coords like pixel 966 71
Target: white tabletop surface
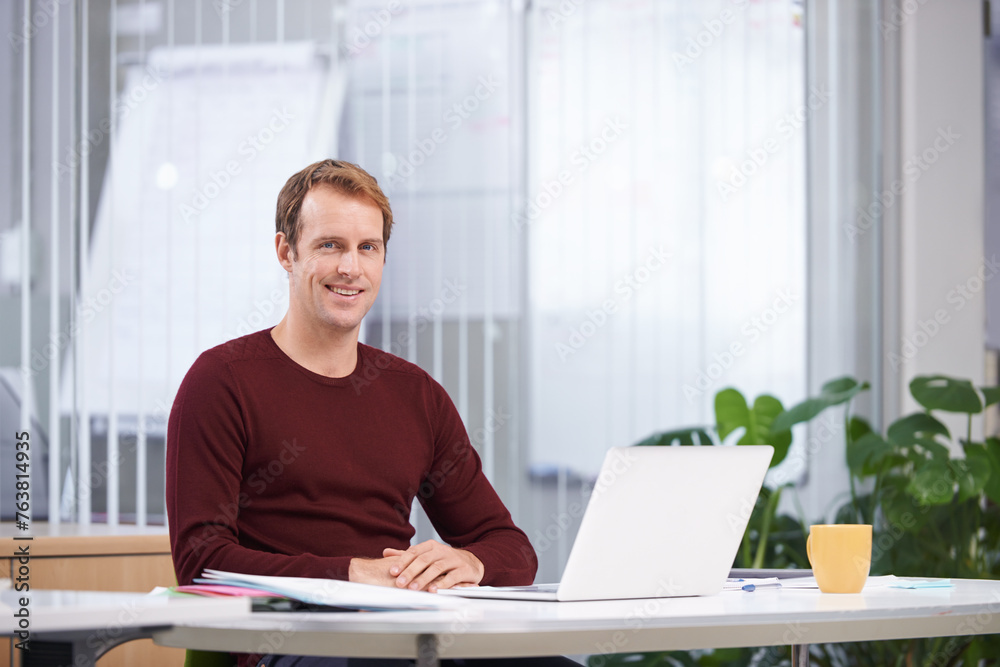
pixel 67 611
pixel 494 628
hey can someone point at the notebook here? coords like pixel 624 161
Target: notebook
pixel 661 522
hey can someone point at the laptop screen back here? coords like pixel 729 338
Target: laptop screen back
pixel 664 522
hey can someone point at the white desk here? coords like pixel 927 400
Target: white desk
pixel 77 627
pixel 494 628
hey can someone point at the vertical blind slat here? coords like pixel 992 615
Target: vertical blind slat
pixel 280 20
pixel 113 456
pixel 83 495
pixel 385 148
pixel 489 247
pixel 437 364
pixel 141 424
pixel 72 224
pixel 55 439
pixel 164 411
pixel 411 107
pixel 26 379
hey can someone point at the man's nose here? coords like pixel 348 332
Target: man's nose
pixel 348 264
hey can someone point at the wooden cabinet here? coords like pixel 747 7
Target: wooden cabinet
pixel 97 558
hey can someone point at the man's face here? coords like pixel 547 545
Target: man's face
pixel 336 270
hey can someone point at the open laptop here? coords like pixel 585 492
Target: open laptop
pixel 661 522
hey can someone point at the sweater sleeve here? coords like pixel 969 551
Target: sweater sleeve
pixel 464 507
pixel 206 442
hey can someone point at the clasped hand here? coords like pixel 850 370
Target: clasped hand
pixel 428 566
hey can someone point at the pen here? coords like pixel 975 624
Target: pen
pixel 749 588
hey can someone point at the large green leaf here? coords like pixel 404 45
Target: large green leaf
pixel 733 413
pixel 991 395
pixel 932 448
pixel 940 392
pixel 858 427
pixel 683 436
pixel 832 393
pixel 911 429
pixel 865 453
pixel 842 385
pixel 933 484
pixel 892 461
pixel 971 474
pixel 765 409
pixel 799 413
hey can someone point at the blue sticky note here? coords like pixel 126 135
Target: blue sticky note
pixel 921 583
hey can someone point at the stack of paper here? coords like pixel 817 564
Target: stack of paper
pixel 326 592
pixel 222 590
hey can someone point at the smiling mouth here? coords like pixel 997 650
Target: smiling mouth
pixel 345 292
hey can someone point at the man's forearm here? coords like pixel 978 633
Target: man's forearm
pixel 371 571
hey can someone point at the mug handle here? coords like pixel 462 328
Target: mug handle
pixel 809 548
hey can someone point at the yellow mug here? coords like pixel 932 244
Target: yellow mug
pixel 840 555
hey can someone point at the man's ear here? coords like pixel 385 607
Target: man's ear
pixel 284 251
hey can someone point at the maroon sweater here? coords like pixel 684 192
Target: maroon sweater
pixel 274 469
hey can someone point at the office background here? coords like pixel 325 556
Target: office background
pixel 607 212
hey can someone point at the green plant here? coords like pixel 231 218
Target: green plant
pixel 933 501
pixel 740 423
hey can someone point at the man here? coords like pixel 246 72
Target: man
pixel 298 451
